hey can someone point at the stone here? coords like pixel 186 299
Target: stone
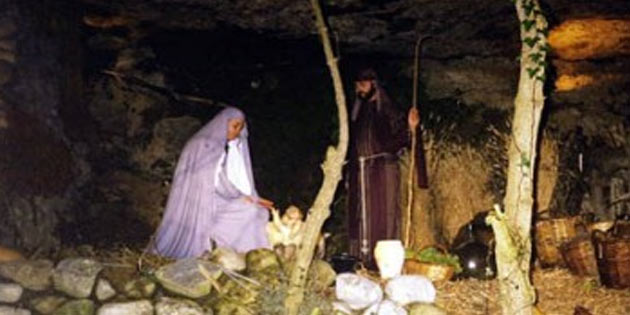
pixel 10 292
pixel 228 258
pixel 260 259
pixel 386 307
pixel 6 71
pixel 10 310
pixel 7 28
pixel 227 307
pixel 107 42
pixel 341 308
pixel 104 290
pixel 4 122
pixel 185 277
pixel 408 289
pixel 76 276
pixel 142 307
pixel 321 275
pixel 169 137
pixel 140 288
pixel 47 304
pixel 7 45
pixel 172 306
pixel 489 81
pixel 8 57
pixel 356 291
pixel 76 307
pixel 31 274
pixel 425 309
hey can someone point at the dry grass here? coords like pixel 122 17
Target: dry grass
pixel 458 176
pixel 559 292
pixel 547 172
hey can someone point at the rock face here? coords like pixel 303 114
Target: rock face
pixel 47 304
pixel 579 39
pixel 184 289
pixel 357 292
pixel 76 276
pixel 407 289
pixel 105 124
pixel 9 310
pixel 76 307
pixel 143 307
pixel 37 161
pixel 32 274
pixel 10 293
pixel 104 290
pixel 186 277
pixel 170 306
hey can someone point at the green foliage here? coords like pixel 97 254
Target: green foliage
pixel 434 256
pixel 531 41
pixel 536 57
pixel 532 72
pixel 528 6
pixel 527 24
pixel 525 162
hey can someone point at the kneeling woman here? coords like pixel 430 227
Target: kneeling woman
pixel 212 196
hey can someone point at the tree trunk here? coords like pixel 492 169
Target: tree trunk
pixel 332 168
pixel 513 227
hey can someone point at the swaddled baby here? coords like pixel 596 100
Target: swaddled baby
pixel 286 233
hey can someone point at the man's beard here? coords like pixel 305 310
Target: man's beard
pixel 367 96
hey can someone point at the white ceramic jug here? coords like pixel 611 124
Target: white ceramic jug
pixel 390 257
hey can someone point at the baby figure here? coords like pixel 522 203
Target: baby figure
pixel 287 232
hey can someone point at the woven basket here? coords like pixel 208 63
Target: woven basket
pixel 579 256
pixel 613 260
pixel 550 234
pixel 435 272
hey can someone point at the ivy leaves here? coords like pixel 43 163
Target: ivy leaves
pixel 531 41
pixel 534 40
pixel 527 24
pixel 528 6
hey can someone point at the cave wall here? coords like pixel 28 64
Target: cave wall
pixel 92 126
pixel 39 164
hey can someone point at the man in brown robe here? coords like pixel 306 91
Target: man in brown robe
pixel 378 133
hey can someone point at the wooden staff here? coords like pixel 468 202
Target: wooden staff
pixel 414 144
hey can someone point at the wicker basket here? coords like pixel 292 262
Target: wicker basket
pixel 550 234
pixel 579 256
pixel 435 272
pixel 603 226
pixel 613 259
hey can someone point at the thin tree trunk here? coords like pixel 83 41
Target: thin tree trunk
pixel 332 167
pixel 513 227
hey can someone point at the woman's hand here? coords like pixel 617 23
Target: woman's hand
pixel 413 118
pixel 265 203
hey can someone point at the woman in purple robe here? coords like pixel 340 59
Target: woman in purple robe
pixel 213 197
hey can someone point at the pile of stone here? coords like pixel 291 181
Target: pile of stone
pixel 79 286
pixel 401 295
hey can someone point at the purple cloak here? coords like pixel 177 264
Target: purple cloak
pixel 203 205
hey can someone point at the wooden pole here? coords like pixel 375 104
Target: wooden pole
pixel 412 154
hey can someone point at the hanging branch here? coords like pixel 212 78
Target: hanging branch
pixel 332 166
pixel 120 77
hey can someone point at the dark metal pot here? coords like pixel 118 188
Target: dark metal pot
pixel 344 262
